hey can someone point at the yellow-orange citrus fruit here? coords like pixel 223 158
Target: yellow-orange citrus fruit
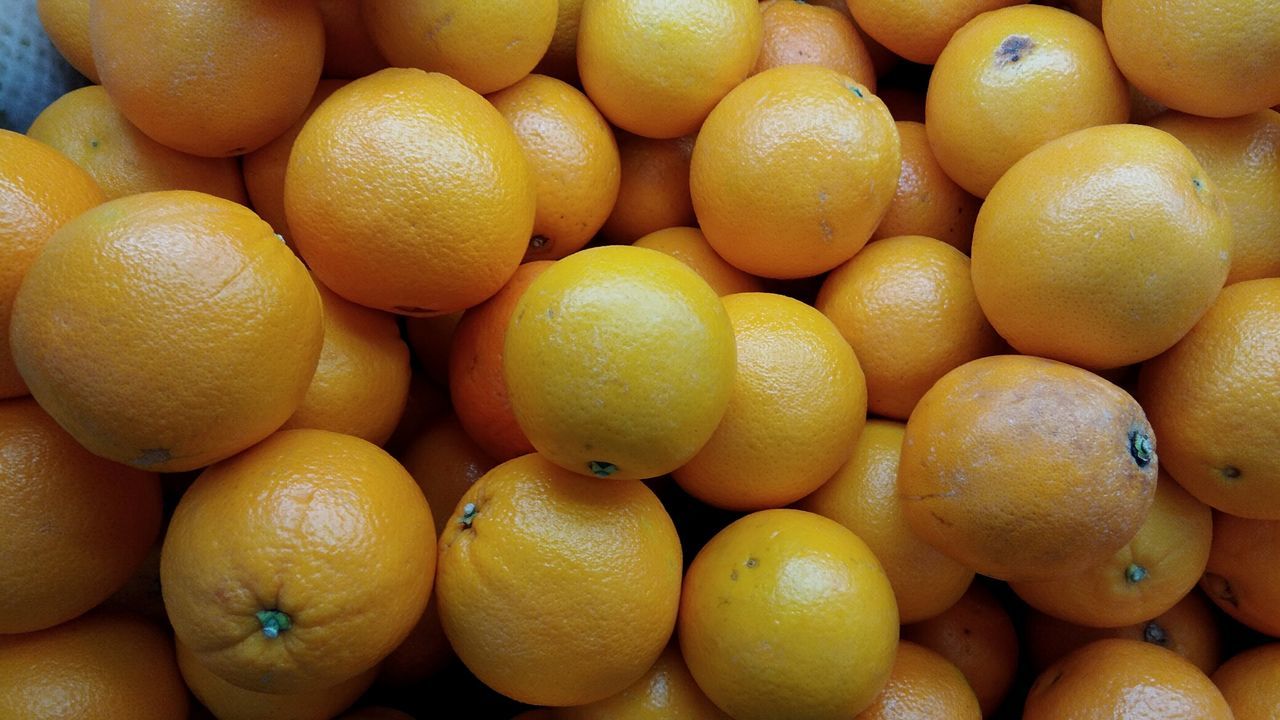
pixel 799 399
pixel 793 170
pixel 1012 80
pixel 484 45
pixel 797 33
pixel 1250 682
pixel 1214 400
pixel 573 158
pixel 1054 472
pixel 918 30
pixel 1243 577
pixel 653 192
pixel 76 526
pixel 657 67
pixel 1207 58
pixel 666 692
pixel 211 79
pixel 923 685
pixel 1101 248
pixel 927 201
pixel 167 330
pixel 619 362
pixel 558 589
pixel 298 564
pixel 863 496
pixel 349 51
pixel 561 59
pixel 690 246
pixel 445 462
pixel 424 652
pixel 407 192
pixel 66 22
pixel 40 190
pixel 787 613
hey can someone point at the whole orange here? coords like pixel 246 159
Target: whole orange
pixel 785 613
pixel 797 33
pixel 561 59
pixel 167 330
pixel 212 79
pixel 67 24
pixel 923 685
pixel 1250 682
pixel 298 564
pixel 653 190
pixel 690 246
pixel 927 201
pixel 666 692
pixel 1101 248
pixel 1242 576
pixel 349 51
pixel 918 30
pixel 445 462
pixel 557 589
pixel 407 192
pixel 657 67
pixel 793 170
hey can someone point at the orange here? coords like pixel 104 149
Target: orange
pixel 1250 682
pixel 1242 576
pixel 799 398
pixel 67 24
pixel 793 170
pixel 407 192
pixel 230 702
pixel 657 67
pixel 269 568
pixel 573 157
pixel 1012 80
pixel 431 340
pixel 923 685
pixel 863 496
pixel 264 168
pixel 167 330
pixel 255 69
pixel 424 652
pixel 1217 59
pixel 1101 248
pixel 76 526
pixel 1242 155
pixel 484 45
pixel 349 52
pixel 1214 400
pixel 690 246
pixel 561 59
pixel 666 692
pixel 977 636
pixel 85 126
pixel 918 30
pixel 556 589
pixel 927 201
pixel 1128 679
pixel 907 306
pixel 425 404
pixel 653 190
pixel 798 33
pixel 619 362
pixel 361 382
pixel 1090 10
pixel 476 382
pixel 1145 578
pixel 40 190
pixel 445 462
pixel 1189 628
pixel 107 665
pixel 1053 474
pixel 786 613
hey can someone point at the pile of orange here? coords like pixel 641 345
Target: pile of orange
pixel 608 359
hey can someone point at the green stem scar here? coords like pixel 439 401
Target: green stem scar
pixel 273 623
pixel 1140 448
pixel 468 514
pixel 1155 634
pixel 602 469
pixel 1135 573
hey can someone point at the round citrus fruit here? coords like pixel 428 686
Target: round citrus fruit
pixel 1250 682
pixel 67 24
pixel 918 30
pixel 666 692
pixel 927 202
pixel 690 246
pixel 349 51
pixel 445 462
pixel 797 33
pixel 653 189
pixel 1242 576
pixel 561 59
pixel 923 685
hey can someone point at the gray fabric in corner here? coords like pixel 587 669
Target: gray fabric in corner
pixel 32 73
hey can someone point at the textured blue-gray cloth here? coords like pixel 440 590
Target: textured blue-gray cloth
pixel 32 73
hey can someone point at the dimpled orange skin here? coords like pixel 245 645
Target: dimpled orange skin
pixel 1026 469
pixel 1012 80
pixel 256 69
pixel 690 246
pixel 1214 400
pixel 927 201
pixel 40 190
pixel 785 613
pixel 349 51
pixel 1242 155
pixel 653 193
pixel 76 526
pixel 325 528
pixel 657 67
pixel 445 462
pixel 923 686
pixel 167 330
pixel 907 307
pixel 1212 59
pixel 1117 678
pixel 863 496
pixel 799 397
pixel 67 24
pixel 1243 577
pixel 108 665
pixel 793 170
pixel 1250 682
pixel 918 30
pixel 1101 248
pixel 619 362
pixel 666 692
pixel 408 192
pixel 484 45
pixel 557 589
pixel 797 33
pixel 230 702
